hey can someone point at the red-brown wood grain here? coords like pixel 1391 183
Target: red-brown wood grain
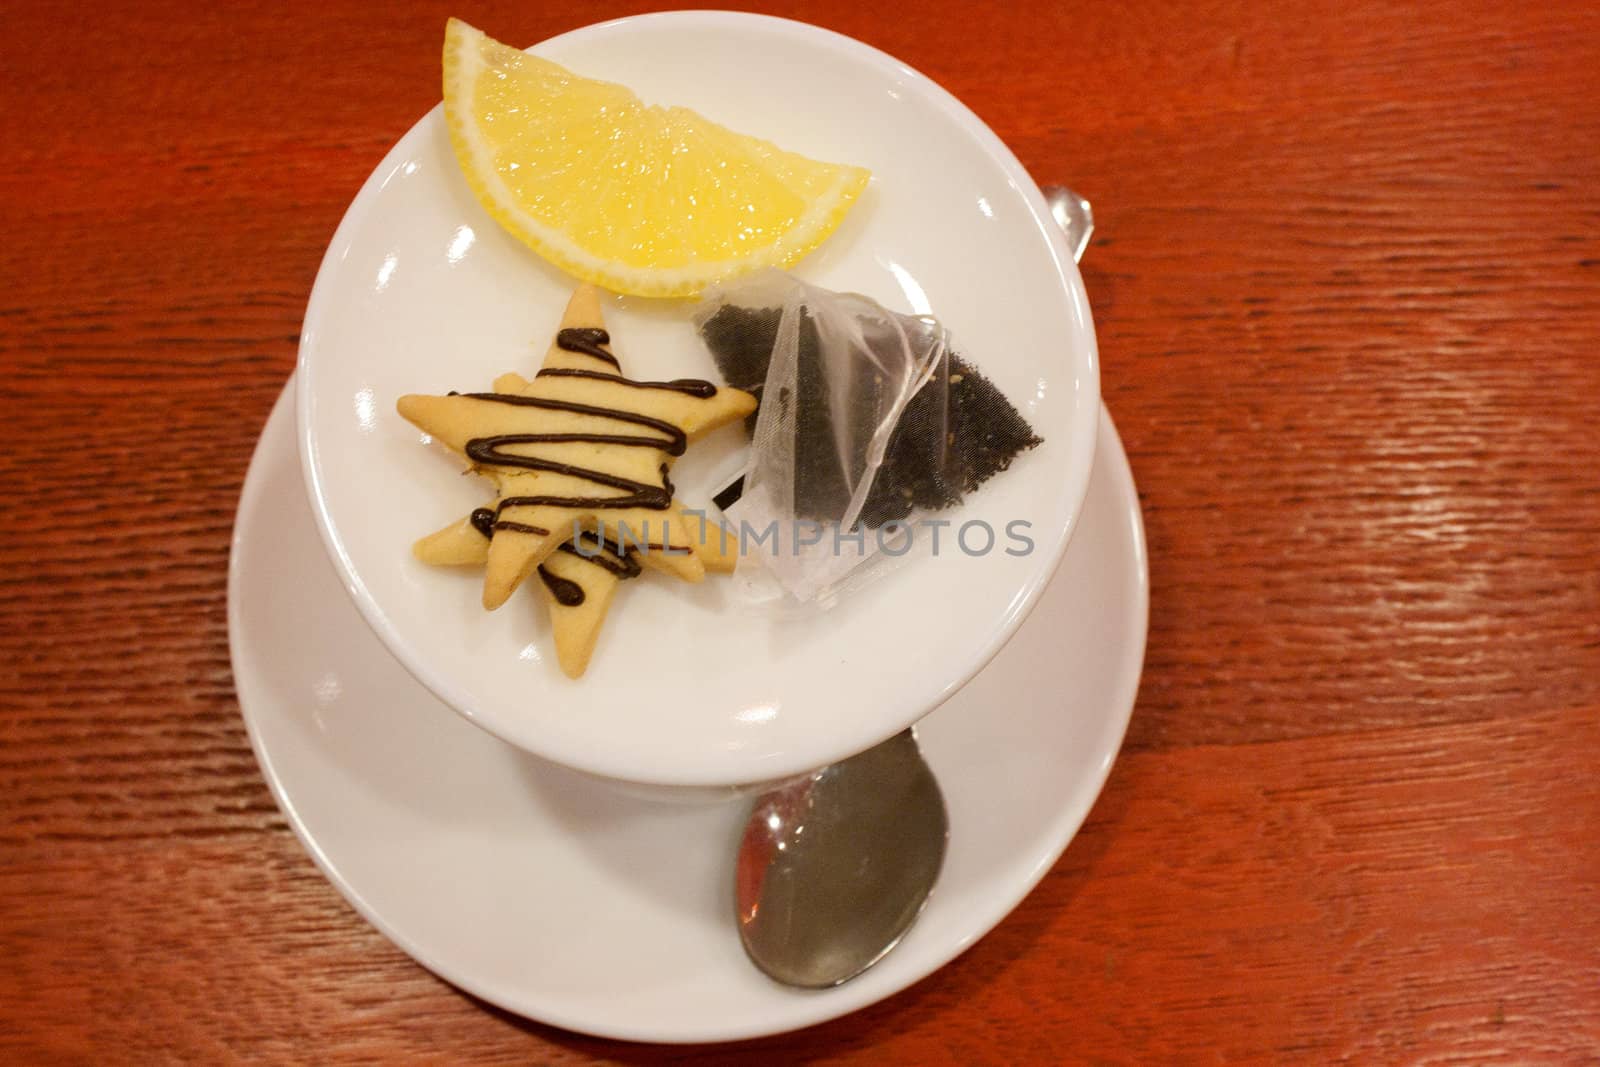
pixel 1347 290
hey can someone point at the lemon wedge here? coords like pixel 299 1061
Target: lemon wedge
pixel 654 201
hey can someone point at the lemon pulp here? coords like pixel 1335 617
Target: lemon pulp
pixel 642 199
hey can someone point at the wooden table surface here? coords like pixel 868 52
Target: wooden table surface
pixel 1347 289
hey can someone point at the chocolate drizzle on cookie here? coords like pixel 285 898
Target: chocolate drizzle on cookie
pixel 695 387
pixel 487 521
pixel 482 520
pixel 591 549
pixel 495 450
pixel 568 593
pixel 587 340
pixel 588 547
pixel 633 494
pixel 672 440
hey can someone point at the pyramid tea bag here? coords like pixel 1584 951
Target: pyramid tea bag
pixel 867 420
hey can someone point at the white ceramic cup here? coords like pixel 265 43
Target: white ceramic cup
pixel 421 291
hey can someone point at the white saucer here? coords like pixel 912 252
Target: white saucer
pixel 560 899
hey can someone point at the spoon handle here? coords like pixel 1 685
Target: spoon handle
pixel 1073 214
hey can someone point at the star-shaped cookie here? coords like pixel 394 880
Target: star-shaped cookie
pixel 579 447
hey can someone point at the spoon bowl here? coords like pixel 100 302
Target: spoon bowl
pixel 835 867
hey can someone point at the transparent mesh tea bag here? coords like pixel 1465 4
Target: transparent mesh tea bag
pixel 867 421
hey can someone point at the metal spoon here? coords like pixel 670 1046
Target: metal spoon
pixel 835 867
